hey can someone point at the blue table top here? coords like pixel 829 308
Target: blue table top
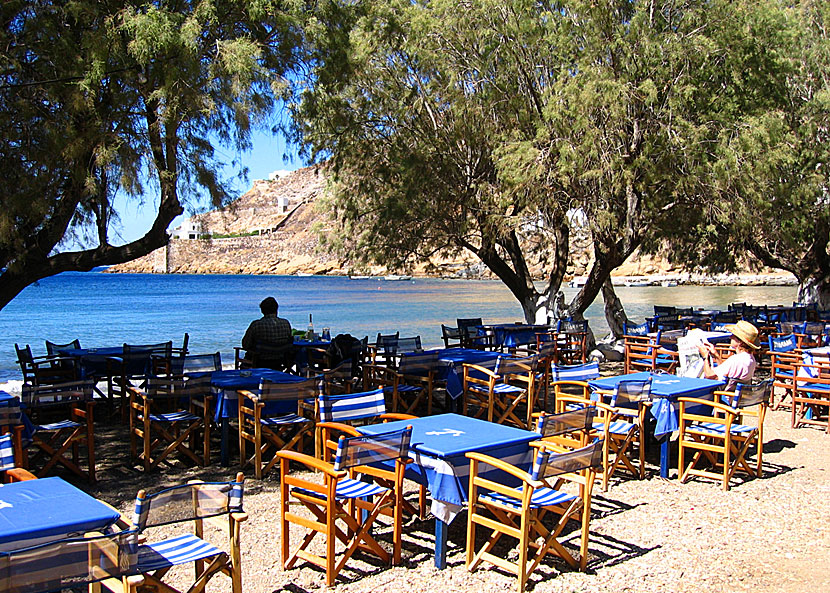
pixel 248 378
pixel 453 435
pixel 468 355
pixel 47 509
pixel 663 385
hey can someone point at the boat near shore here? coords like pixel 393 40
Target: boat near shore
pixel 397 277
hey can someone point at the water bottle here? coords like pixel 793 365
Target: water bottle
pixel 310 333
pixel 326 334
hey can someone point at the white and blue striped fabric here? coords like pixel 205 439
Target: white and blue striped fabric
pixel 718 429
pixel 180 416
pixel 346 489
pixel 6 452
pixel 576 372
pixel 376 448
pixel 352 406
pixel 174 551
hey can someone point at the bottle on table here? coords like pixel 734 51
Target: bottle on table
pixel 310 333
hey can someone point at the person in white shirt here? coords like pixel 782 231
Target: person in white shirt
pixel 739 367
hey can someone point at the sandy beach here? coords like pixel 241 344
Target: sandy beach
pixel 654 535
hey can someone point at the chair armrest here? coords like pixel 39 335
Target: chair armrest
pixel 18 474
pixel 502 465
pixel 312 463
pixel 395 416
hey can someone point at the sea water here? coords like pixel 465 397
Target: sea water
pixel 102 309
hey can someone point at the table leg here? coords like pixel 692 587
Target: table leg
pixel 664 456
pixel 224 425
pixel 441 529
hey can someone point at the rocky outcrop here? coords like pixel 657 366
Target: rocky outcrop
pixel 275 228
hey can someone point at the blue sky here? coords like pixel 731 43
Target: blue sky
pixel 266 156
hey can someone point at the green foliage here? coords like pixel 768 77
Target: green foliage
pixel 100 99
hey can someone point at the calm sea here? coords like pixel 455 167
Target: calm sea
pixel 109 309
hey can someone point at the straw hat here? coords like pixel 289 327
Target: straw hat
pixel 745 332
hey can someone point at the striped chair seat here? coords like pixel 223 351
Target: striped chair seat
pixel 497 388
pixel 181 416
pixel 58 425
pixel 281 420
pixel 347 488
pixel 174 551
pixel 782 373
pixel 541 497
pixel 716 428
pixel 615 427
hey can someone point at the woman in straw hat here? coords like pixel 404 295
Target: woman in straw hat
pixel 741 365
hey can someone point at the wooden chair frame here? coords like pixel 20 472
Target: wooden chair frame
pixel 338 517
pixel 515 515
pixel 725 448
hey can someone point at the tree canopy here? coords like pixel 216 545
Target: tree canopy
pixel 481 126
pixel 106 98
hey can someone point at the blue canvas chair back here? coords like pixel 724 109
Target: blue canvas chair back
pixel 663 310
pixel 187 502
pixel 726 317
pixel 418 364
pixel 551 425
pixel 70 563
pixel 351 406
pixel 6 452
pixel 575 372
pixel 52 348
pixel 630 392
pixel 786 343
pixel 718 326
pixel 752 394
pixel 570 326
pixel 630 329
pixel 548 464
pixel 366 450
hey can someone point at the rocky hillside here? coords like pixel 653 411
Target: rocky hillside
pixel 268 230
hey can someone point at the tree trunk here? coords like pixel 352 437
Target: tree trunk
pixel 614 310
pixel 815 289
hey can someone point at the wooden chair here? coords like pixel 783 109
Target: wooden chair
pixel 570 380
pixel 451 336
pixel 571 429
pixel 811 394
pixel 63 417
pixel 197 505
pixel 265 422
pixel 10 452
pixel 647 355
pixel 714 433
pixel 163 427
pixel 93 561
pixel 573 342
pixel 470 337
pixel 784 356
pixel 620 424
pixel 495 391
pixel 417 369
pixel 523 512
pixel 45 370
pixel 132 369
pixel 365 407
pixel 347 503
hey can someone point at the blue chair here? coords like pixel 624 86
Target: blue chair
pixel 265 422
pixel 570 381
pixel 68 563
pixel 54 439
pixel 494 389
pixel 335 411
pixel 716 435
pixel 195 503
pixel 535 510
pixel 631 329
pixel 172 414
pixel 620 423
pixel 356 489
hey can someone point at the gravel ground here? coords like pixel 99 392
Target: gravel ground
pixel 769 534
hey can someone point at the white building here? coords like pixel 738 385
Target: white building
pixel 189 229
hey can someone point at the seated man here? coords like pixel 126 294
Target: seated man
pixel 268 340
pixel 738 368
